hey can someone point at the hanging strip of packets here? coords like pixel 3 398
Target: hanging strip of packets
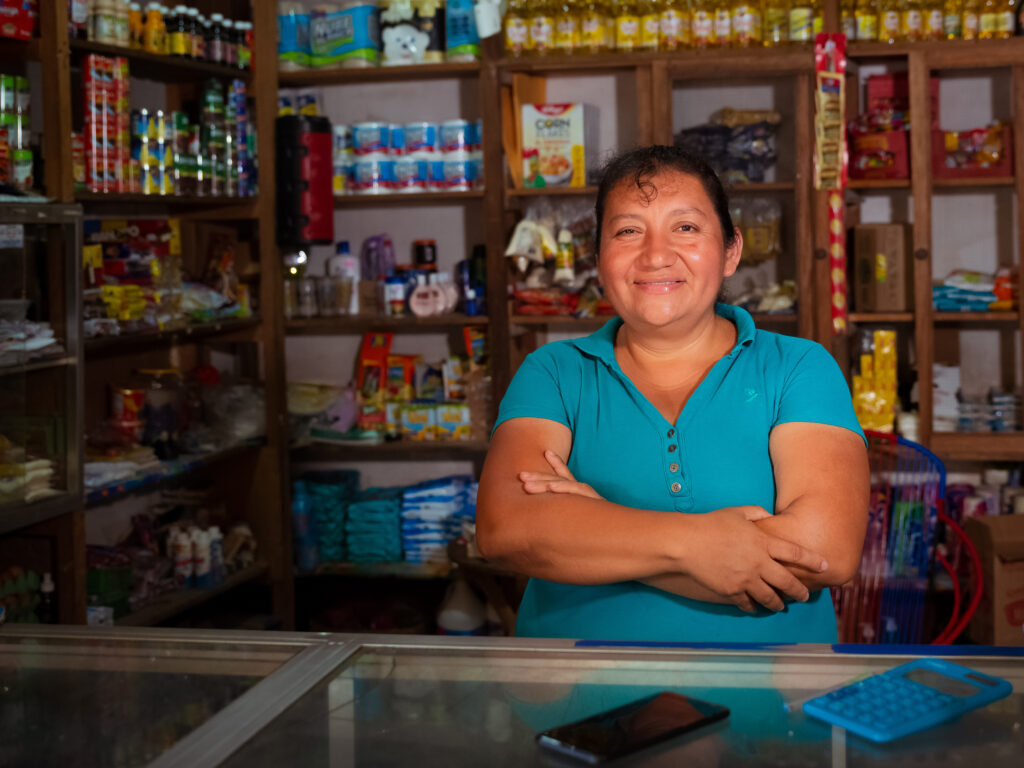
pixel 830 160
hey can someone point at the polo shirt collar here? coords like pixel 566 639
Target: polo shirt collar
pixel 601 343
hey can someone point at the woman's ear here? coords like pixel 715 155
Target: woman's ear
pixel 733 253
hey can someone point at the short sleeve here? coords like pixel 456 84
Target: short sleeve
pixel 536 390
pixel 815 391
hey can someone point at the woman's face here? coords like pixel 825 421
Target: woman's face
pixel 664 259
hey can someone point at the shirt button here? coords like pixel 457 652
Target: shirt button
pixel 676 487
pixel 671 432
pixel 671 448
pixel 673 467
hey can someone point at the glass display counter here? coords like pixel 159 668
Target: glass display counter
pixel 128 697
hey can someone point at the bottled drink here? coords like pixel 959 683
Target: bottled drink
pixel 888 21
pixel 847 19
pixel 627 25
pixel 703 23
pixel 911 23
pixel 609 24
pixel 674 32
pixel 1007 20
pixel 723 25
pixel 517 28
pixel 801 22
pixel 989 18
pixel 650 24
pixel 933 20
pixel 746 23
pixel 866 18
pixel 952 19
pixel 970 19
pixel 567 27
pixel 776 22
pixel 818 22
pixel 542 27
pixel 592 27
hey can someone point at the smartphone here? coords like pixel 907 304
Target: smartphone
pixel 631 727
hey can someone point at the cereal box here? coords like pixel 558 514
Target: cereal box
pixel 558 142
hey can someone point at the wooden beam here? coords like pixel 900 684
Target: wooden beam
pixel 661 103
pixel 803 200
pixel 56 75
pixel 1017 83
pixel 643 106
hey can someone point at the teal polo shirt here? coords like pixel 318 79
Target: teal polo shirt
pixel 715 455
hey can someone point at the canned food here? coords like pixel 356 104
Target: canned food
pixel 342 140
pixel 396 139
pixel 452 174
pixel 456 135
pixel 372 176
pixel 368 138
pixel 420 137
pixel 412 174
pixel 126 403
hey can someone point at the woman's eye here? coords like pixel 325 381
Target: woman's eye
pixel 686 228
pixel 626 231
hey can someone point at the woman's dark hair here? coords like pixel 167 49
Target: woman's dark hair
pixel 638 166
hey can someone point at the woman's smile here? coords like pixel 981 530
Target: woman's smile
pixel 658 287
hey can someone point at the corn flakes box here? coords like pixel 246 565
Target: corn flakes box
pixel 558 141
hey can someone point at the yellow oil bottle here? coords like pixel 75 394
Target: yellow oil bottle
pixel 889 26
pixel 801 22
pixel 592 39
pixel 674 32
pixel 818 24
pixel 952 19
pixel 932 20
pixel 703 23
pixel 542 27
pixel 609 24
pixel 650 24
pixel 866 18
pixel 1007 20
pixel 627 25
pixel 847 18
pixel 517 28
pixel 746 23
pixel 776 22
pixel 911 22
pixel 567 26
pixel 989 19
pixel 970 19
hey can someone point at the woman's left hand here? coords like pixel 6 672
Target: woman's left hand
pixel 559 480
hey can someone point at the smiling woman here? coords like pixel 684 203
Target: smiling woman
pixel 679 474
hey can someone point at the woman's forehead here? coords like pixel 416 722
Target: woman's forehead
pixel 666 186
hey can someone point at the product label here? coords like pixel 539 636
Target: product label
pixel 180 43
pixel 1005 22
pixel 801 24
pixel 627 32
pixel 867 27
pixel 292 43
pixel 818 24
pixel 517 34
pixel 849 26
pixel 567 33
pixel 650 26
pixel 670 30
pixel 951 25
pixel 890 26
pixel 542 33
pixel 989 23
pixel 912 24
pixel 723 26
pixel 970 25
pixel 746 24
pixel 460 29
pixel 776 24
pixel 349 34
pixel 933 23
pixel 592 34
pixel 703 27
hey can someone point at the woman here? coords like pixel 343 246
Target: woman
pixel 678 405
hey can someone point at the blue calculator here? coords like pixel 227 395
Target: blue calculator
pixel 906 699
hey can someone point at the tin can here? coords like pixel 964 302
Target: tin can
pixel 373 176
pixel 126 403
pixel 456 136
pixel 396 140
pixel 412 174
pixel 370 138
pixel 452 174
pixel 420 137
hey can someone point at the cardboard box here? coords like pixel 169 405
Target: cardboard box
pixel 945 149
pixel 879 155
pixel 882 272
pixel 1000 542
pixel 892 91
pixel 558 142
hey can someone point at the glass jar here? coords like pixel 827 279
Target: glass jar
pixel 161 413
pixel 306 287
pixel 326 297
pixel 291 299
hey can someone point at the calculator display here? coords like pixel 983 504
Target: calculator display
pixel 941 682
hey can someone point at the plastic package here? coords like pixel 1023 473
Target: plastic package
pixel 344 34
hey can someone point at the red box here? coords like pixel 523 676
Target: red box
pixel 17 19
pixel 1000 169
pixel 879 156
pixel 893 91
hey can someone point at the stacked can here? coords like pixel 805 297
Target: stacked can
pixel 373 162
pixel 455 169
pixel 151 169
pixel 343 158
pixel 15 150
pixel 419 149
pixel 186 161
pixel 236 118
pixel 106 133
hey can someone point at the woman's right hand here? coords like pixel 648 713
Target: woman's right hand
pixel 734 558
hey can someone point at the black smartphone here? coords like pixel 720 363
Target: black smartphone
pixel 631 727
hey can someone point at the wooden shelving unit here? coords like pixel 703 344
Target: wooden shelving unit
pixel 323 77
pixel 159 67
pixel 332 326
pixel 221 330
pixel 401 450
pixel 407 198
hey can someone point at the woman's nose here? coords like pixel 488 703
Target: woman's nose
pixel 657 252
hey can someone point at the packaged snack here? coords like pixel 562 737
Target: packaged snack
pixel 558 140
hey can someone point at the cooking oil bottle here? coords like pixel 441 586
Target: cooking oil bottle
pixel 746 23
pixel 970 19
pixel 592 37
pixel 1007 20
pixel 517 28
pixel 674 32
pixel 542 27
pixel 723 24
pixel 703 23
pixel 932 20
pixel 819 18
pixel 627 25
pixel 847 18
pixel 866 18
pixel 567 26
pixel 952 19
pixel 988 29
pixel 911 23
pixel 609 24
pixel 889 25
pixel 776 22
pixel 801 22
pixel 650 24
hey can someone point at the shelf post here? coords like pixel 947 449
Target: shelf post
pixel 1017 83
pixel 56 74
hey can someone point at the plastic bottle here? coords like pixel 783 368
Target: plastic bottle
pixel 911 21
pixel 47 610
pixel 776 22
pixel 847 19
pixel 650 24
pixel 970 19
pixel 932 20
pixel 542 27
pixel 801 22
pixel 1007 20
pixel 135 25
pixel 461 611
pixel 609 24
pixel 183 560
pixel 818 19
pixel 723 25
pixel 952 19
pixel 177 32
pixel 746 23
pixel 195 29
pixel 703 23
pixel 244 43
pixel 201 558
pixel 889 21
pixel 592 27
pixel 567 27
pixel 517 28
pixel 674 33
pixel 216 555
pixel 866 19
pixel 230 43
pixel 152 27
pixel 627 25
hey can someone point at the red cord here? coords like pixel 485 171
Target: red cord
pixel 949 636
pixel 941 639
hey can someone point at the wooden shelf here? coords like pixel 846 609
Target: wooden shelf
pixel 774 318
pixel 979 446
pixel 946 54
pixel 683 65
pixel 170 605
pixel 976 318
pixel 314 77
pixel 992 181
pixel 396 570
pixel 561 321
pixel 160 67
pixel 402 450
pixel 205 207
pixel 37 365
pixel 353 324
pixel 19 50
pixel 399 199
pixel 881 317
pixel 134 342
pixel 879 184
pixel 169 471
pixel 551 192
pixel 757 187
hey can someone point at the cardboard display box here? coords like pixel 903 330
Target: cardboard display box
pixel 882 271
pixel 1000 543
pixel 879 156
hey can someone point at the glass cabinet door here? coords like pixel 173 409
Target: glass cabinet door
pixel 40 354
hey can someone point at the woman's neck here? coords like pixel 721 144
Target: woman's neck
pixel 662 350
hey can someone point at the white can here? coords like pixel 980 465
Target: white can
pixel 370 138
pixel 452 173
pixel 456 136
pixel 421 137
pixel 373 176
pixel 412 173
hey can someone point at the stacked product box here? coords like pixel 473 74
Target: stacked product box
pixel 106 129
pixel 151 170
